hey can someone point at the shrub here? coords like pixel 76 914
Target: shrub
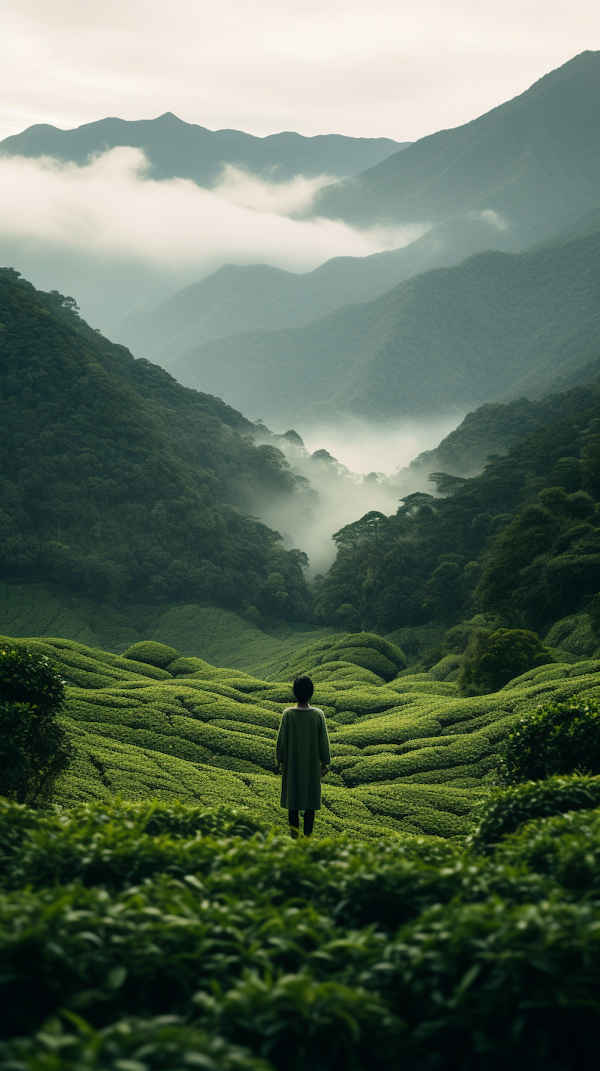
pixel 565 849
pixel 495 658
pixel 505 810
pixel 557 738
pixel 164 1043
pixel 33 746
pixel 368 659
pixel 155 654
pixel 377 643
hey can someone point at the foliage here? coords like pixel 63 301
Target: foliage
pixel 155 654
pixel 165 1043
pixel 119 483
pixel 364 649
pixel 495 658
pixel 518 543
pixel 33 745
pixel 507 809
pixel 565 848
pixel 557 738
pixel 330 954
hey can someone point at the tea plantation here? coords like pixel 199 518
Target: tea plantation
pixel 158 915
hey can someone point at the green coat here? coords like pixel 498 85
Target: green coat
pixel 302 745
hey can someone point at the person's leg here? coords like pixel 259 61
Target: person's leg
pixel 294 821
pixel 309 821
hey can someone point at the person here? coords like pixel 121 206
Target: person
pixel 303 757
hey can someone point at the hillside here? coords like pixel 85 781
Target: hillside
pixel 240 297
pixel 121 484
pixel 493 428
pixel 533 161
pixel 408 756
pixel 185 150
pixel 496 326
pixel 159 916
pixel 518 543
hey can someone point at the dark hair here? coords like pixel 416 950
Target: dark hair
pixel 303 689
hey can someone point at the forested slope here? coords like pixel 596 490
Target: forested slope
pixel 497 325
pixel 118 482
pixel 534 161
pixel 496 426
pixel 520 542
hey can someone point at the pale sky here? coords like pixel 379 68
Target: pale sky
pixel 359 67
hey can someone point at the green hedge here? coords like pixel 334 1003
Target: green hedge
pixel 507 809
pixel 155 654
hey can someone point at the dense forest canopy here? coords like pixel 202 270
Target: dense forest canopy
pixel 118 481
pixel 520 542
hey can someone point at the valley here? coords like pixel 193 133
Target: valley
pixel 383 473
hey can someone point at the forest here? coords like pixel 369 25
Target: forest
pixel 120 483
pixel 520 542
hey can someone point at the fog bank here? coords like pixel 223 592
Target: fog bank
pixel 111 218
pixel 350 473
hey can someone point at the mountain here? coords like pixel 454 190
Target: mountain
pixel 494 427
pixel 532 163
pixel 497 326
pixel 511 178
pixel 236 298
pixel 121 484
pixel 185 150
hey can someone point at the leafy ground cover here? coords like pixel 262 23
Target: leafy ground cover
pixel 158 916
pixel 220 636
pixel 142 936
pixel 409 755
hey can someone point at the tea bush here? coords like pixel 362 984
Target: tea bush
pixel 555 738
pixel 506 810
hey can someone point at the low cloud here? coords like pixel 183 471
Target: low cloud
pixel 360 473
pixel 112 209
pixel 488 215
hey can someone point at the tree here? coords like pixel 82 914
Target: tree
pixel 495 658
pixel 33 746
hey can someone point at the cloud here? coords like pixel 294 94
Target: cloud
pixel 112 209
pixel 488 215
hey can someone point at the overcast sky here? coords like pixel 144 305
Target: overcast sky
pixel 359 67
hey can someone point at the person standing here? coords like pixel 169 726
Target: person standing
pixel 303 757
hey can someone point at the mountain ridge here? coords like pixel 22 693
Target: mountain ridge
pixel 177 149
pixel 496 326
pixel 508 180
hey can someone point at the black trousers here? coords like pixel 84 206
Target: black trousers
pixel 309 821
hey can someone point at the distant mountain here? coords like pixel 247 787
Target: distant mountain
pixel 511 178
pixel 186 150
pixel 533 162
pixel 119 483
pixel 236 298
pixel 497 326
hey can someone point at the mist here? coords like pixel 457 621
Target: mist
pixel 350 472
pixel 109 219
